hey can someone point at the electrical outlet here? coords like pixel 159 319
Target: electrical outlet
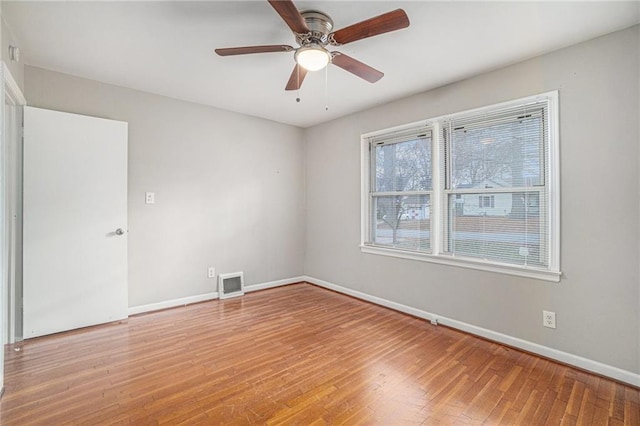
pixel 211 272
pixel 149 197
pixel 549 319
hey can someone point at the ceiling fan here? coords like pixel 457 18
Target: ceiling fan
pixel 312 30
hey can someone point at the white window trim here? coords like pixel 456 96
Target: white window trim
pixel 552 273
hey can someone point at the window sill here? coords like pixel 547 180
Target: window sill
pixel 539 274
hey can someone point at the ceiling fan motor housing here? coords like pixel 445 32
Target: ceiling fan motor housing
pixel 320 25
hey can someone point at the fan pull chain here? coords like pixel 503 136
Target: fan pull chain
pixel 326 88
pixel 298 89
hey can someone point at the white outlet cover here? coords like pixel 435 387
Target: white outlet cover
pixel 211 272
pixel 549 319
pixel 149 197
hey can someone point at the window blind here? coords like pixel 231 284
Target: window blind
pixel 476 189
pixel 395 136
pixel 495 184
pixel 401 185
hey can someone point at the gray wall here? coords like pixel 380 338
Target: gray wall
pixel 229 188
pixel 597 300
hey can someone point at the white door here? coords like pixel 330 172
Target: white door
pixel 75 221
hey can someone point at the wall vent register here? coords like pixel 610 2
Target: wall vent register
pixel 230 285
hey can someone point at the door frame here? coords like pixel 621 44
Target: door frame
pixel 11 176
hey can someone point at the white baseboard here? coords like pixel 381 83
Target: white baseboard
pixel 172 303
pixel 207 296
pixel 564 357
pixel 271 284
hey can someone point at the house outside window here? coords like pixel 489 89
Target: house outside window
pixel 475 189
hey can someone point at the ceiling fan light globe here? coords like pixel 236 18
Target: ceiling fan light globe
pixel 312 58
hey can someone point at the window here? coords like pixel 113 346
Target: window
pixel 401 190
pixel 475 189
pixel 485 201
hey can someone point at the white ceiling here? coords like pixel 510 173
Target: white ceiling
pixel 167 47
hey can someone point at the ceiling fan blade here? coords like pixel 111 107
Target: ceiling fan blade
pixel 289 12
pixel 296 79
pixel 228 51
pixel 390 21
pixel 356 67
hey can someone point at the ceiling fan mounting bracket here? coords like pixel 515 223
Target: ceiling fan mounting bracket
pixel 332 41
pixel 312 37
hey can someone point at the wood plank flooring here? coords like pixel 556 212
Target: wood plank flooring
pixel 295 355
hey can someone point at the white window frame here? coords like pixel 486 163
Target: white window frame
pixel 438 201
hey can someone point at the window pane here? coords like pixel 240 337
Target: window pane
pixel 496 172
pixel 402 221
pixel 504 154
pixel 509 229
pixel 403 166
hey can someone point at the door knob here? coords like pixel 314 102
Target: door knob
pixel 119 231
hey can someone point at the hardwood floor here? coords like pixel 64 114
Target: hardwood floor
pixel 296 355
